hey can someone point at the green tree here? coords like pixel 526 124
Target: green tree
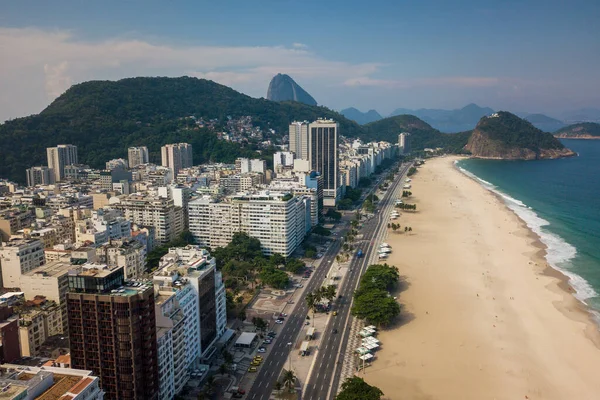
pixel 334 215
pixel 289 379
pixel 355 388
pixel 329 292
pixel 375 306
pixel 259 323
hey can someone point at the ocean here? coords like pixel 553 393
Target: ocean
pixel 560 201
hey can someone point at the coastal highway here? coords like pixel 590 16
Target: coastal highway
pixel 277 356
pixel 325 377
pixel 275 359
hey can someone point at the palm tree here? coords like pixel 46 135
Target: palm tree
pixel 311 303
pixel 406 229
pixel 410 229
pixel 329 292
pixel 289 379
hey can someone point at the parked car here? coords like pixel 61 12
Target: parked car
pixel 267 341
pixel 262 350
pixel 252 369
pixel 279 321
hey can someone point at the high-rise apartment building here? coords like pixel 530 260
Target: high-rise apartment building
pixel 299 139
pixel 9 335
pixel 323 157
pixel 176 156
pixel 39 176
pixel 192 267
pixel 112 331
pixel 158 212
pixel 404 143
pixel 277 219
pixel 246 165
pixel 18 257
pixel 137 156
pixel 59 157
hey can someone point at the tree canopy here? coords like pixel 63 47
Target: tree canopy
pixel 355 388
pixel 372 301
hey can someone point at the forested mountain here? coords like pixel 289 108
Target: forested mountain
pixel 506 136
pixel 103 118
pixel 359 116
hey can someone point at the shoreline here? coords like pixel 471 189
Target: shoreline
pixel 497 333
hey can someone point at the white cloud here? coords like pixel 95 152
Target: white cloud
pixel 41 64
pixel 299 45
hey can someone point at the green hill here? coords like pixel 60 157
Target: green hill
pixel 506 136
pixel 103 118
pixel 422 134
pixel 584 130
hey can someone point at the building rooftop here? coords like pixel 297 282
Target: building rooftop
pixel 52 269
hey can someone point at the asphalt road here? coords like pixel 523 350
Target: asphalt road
pixel 323 382
pixel 318 386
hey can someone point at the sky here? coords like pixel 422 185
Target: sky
pixel 521 56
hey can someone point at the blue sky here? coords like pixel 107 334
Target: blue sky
pixel 534 56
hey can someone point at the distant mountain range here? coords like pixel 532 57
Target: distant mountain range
pixel 584 130
pixel 361 117
pixel 283 88
pixel 466 118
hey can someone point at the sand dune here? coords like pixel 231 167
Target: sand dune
pixel 483 318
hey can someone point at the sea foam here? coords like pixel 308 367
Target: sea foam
pixel 559 253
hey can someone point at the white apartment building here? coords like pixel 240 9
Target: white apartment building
pixel 176 156
pixel 18 257
pixel 283 160
pixel 240 182
pixel 298 135
pixel 245 165
pixel 59 157
pixel 40 176
pixel 190 272
pixel 277 219
pixel 160 213
pixel 127 253
pixel 116 163
pixel 171 345
pixel 137 156
pixel 404 142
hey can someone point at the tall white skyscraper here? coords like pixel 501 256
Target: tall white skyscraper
pixel 323 157
pixel 59 157
pixel 404 142
pixel 177 156
pixel 299 139
pixel 137 156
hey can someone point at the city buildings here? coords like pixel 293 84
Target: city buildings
pixel 298 135
pixel 323 157
pixel 158 212
pixel 277 219
pixel 127 253
pixel 14 219
pixel 137 156
pixel 40 176
pixel 59 157
pixel 176 156
pixel 112 331
pixel 23 382
pixel 245 165
pixel 17 257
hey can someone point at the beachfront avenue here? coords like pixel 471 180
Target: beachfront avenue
pixel 328 361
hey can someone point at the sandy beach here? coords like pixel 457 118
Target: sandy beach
pixel 483 317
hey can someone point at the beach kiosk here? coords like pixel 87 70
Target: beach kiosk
pixel 304 348
pixel 310 333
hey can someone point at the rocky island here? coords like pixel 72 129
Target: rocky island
pixel 584 130
pixel 505 136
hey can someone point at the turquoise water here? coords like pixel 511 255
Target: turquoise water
pixel 560 201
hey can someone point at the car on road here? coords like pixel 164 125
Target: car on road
pixel 334 313
pixel 283 314
pixel 258 358
pixel 252 369
pixel 262 350
pixel 255 363
pixel 267 341
pixel 335 330
pixel 278 321
pixel 299 285
pixel 307 323
pixel 272 333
